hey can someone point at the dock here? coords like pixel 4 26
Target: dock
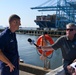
pixel 27 69
pixel 35 70
pixel 57 71
pixel 37 32
pixel 25 73
pixel 53 33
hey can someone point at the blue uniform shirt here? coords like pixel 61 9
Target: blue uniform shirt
pixel 8 45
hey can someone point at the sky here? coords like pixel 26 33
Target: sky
pixel 21 8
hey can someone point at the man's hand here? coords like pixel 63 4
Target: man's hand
pixel 11 66
pixel 70 69
pixel 39 47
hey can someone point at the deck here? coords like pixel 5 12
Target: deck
pixel 25 73
pixel 57 71
pixel 27 69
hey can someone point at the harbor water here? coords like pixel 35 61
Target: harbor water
pixel 29 54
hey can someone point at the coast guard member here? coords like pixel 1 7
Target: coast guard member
pixel 8 47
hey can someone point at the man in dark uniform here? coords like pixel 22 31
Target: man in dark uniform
pixel 67 43
pixel 8 47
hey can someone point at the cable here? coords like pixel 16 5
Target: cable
pixel 43 3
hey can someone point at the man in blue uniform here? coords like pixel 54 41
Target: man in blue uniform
pixel 67 43
pixel 8 47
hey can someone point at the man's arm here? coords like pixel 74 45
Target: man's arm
pixel 4 59
pixel 48 48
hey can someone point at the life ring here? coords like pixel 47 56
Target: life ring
pixel 40 42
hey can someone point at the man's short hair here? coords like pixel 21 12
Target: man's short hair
pixel 71 25
pixel 13 17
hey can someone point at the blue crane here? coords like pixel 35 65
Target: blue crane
pixel 65 11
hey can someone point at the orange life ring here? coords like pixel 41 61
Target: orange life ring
pixel 40 42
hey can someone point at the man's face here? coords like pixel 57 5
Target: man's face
pixel 70 31
pixel 15 24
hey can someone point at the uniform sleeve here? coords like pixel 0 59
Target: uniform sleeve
pixel 58 43
pixel 1 43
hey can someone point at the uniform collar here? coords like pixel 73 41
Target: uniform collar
pixel 8 30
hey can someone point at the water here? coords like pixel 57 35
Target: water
pixel 29 53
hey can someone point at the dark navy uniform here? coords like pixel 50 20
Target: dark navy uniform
pixel 8 45
pixel 68 48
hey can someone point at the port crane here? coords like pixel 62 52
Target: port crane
pixel 65 11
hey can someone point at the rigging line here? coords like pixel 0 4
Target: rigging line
pixel 43 3
pixel 49 2
pixel 53 4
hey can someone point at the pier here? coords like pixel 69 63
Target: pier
pixel 53 33
pixel 36 70
pixel 27 69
